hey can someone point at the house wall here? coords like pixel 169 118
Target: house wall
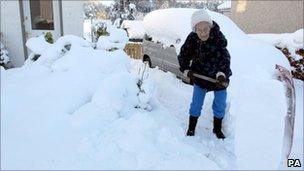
pixel 11 31
pixel 226 12
pixel 267 16
pixel 73 17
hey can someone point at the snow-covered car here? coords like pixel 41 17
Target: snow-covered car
pixel 164 38
pixel 155 54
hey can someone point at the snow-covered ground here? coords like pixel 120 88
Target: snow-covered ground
pixel 83 109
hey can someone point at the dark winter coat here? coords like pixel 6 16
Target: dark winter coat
pixel 208 57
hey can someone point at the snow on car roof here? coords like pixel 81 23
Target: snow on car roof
pixel 171 26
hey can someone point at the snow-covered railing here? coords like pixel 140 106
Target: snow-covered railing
pixel 285 76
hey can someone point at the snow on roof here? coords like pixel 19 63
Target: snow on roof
pixel 134 28
pixel 170 25
pixel 225 5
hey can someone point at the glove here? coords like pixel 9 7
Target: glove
pixel 189 74
pixel 221 80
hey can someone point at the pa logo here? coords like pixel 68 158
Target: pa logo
pixel 293 163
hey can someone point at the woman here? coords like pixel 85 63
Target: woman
pixel 205 49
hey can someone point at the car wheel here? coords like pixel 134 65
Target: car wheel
pixel 147 60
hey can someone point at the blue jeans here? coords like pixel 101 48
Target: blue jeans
pixel 218 106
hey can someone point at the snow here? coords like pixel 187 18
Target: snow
pixel 291 41
pixel 225 5
pixel 135 28
pixel 80 112
pixel 132 6
pixel 107 3
pixel 49 54
pixel 116 40
pixel 91 25
pixel 156 24
pixel 253 88
pixel 37 44
pixel 81 108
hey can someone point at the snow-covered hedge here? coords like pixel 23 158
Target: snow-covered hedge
pixel 116 40
pixel 45 52
pixel 99 28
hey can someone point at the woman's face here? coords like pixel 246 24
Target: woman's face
pixel 202 29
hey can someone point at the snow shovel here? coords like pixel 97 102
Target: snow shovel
pixel 285 76
pixel 225 84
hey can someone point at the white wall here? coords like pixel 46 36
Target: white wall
pixel 11 31
pixel 73 17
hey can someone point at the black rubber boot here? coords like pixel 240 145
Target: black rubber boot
pixel 217 128
pixel 192 125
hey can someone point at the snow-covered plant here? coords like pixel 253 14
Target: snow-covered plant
pixel 49 37
pixel 145 89
pixel 4 58
pixel 143 76
pixel 99 29
pixel 117 22
pixel 117 39
pixel 38 44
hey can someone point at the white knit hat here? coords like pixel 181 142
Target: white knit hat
pixel 199 16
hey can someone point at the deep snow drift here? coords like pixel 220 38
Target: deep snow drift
pixel 83 109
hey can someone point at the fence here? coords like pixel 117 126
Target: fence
pixel 134 50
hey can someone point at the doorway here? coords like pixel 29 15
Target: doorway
pixel 41 16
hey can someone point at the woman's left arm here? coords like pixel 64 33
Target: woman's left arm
pixel 224 62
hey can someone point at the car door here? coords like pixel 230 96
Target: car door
pixel 154 51
pixel 170 62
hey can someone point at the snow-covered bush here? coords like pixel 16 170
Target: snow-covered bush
pixel 49 37
pixel 99 29
pixel 116 40
pixel 4 58
pixel 37 45
pixel 45 52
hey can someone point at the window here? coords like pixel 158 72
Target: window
pixel 42 14
pixel 241 6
